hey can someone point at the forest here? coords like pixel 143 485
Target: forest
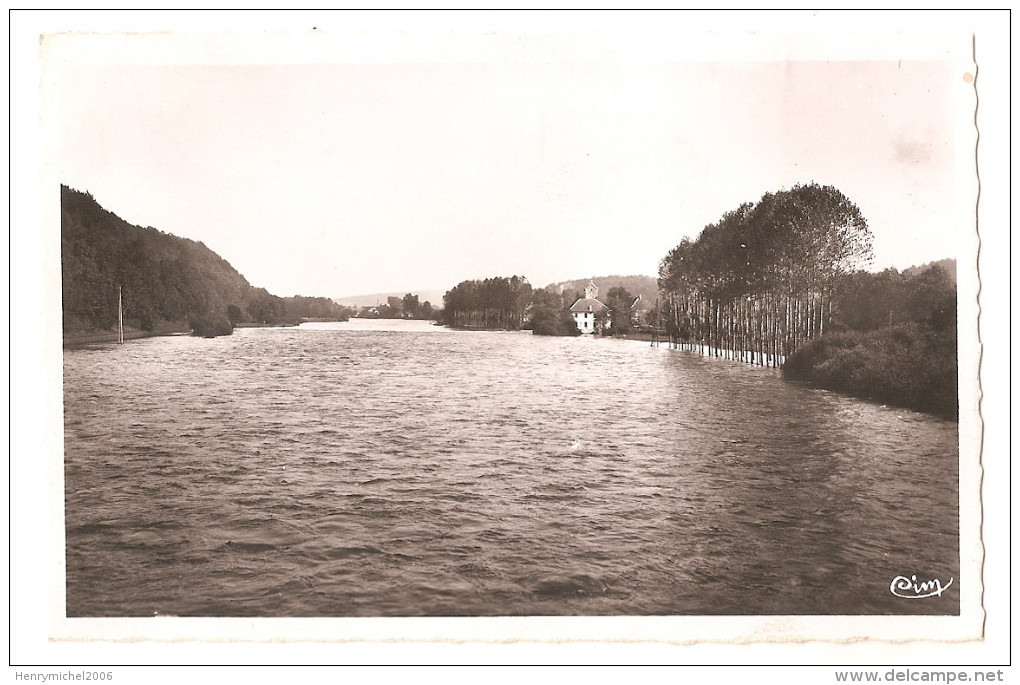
pixel 167 283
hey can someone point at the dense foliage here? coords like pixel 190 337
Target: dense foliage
pixel 896 340
pixel 552 322
pixel 922 295
pixel 908 365
pixel 619 301
pixel 301 307
pixel 163 278
pixel 211 325
pixel 760 282
pixel 495 303
pixel 548 315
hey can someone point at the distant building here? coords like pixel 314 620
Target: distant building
pixel 640 311
pixel 585 309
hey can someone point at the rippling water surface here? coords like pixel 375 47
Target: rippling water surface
pixel 336 470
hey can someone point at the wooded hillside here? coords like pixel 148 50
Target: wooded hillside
pixel 646 286
pixel 164 278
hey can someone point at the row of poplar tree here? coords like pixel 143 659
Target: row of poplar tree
pixel 760 282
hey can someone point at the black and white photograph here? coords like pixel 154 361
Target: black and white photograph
pixel 633 331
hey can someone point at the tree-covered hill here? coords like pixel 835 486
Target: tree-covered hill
pixel 948 265
pixel 646 286
pixel 167 281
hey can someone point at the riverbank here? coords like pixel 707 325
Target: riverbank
pixel 282 324
pixel 481 328
pixel 907 366
pixel 82 337
pixel 646 336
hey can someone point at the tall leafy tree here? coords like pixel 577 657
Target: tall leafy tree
pixel 619 301
pixel 410 306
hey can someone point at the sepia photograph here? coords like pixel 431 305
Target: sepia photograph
pixel 599 334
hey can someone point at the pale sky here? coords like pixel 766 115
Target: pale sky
pixel 358 177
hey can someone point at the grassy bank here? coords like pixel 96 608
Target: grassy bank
pixel 907 366
pixel 79 337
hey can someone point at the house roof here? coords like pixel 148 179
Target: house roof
pixel 584 303
pixel 641 304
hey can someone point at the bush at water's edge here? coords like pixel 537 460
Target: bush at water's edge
pixel 211 325
pixel 551 322
pixel 907 365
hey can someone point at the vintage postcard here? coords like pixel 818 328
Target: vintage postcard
pixel 633 331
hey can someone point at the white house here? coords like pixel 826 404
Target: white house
pixel 585 309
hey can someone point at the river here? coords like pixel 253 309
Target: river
pixel 394 468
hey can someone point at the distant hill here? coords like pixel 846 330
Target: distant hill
pixel 167 281
pixel 948 265
pixel 434 297
pixel 646 286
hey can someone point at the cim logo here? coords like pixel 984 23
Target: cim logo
pixel 909 588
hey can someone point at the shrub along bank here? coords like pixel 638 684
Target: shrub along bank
pixel 553 322
pixel 907 365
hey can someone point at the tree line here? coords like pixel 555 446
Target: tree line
pixel 511 303
pixel 760 282
pixel 493 303
pixel 407 307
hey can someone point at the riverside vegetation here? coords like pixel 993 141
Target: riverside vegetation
pixel 893 339
pixel 780 282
